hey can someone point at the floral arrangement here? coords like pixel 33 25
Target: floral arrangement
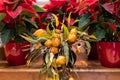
pixel 16 18
pixel 107 24
pixel 62 37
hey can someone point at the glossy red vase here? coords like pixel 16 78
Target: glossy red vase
pixel 16 52
pixel 109 53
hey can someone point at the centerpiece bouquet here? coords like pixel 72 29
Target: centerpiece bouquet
pixel 62 37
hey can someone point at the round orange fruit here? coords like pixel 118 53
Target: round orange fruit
pixel 78 51
pixel 61 60
pixel 54 50
pixel 50 78
pixel 73 31
pixel 71 78
pixel 36 46
pixel 48 43
pixel 71 38
pixel 57 31
pixel 56 42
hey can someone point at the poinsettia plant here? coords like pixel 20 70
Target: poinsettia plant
pixel 107 24
pixel 16 18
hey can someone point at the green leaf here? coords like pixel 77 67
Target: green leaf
pixel 20 29
pixel 38 9
pixel 31 40
pixel 48 30
pixel 118 25
pixel 84 20
pixel 72 57
pixel 100 34
pixel 31 22
pixel 66 51
pixel 65 30
pixel 28 13
pixel 43 70
pixel 47 58
pixel 88 47
pixel 6 35
pixel 111 20
pixel 53 32
pixel 2 25
pixel 2 15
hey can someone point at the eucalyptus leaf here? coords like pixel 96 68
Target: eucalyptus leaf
pixel 65 30
pixel 72 57
pixel 47 57
pixel 66 51
pixel 53 71
pixel 43 70
pixel 48 29
pixel 31 40
pixel 88 47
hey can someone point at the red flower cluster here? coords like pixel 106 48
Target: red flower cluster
pixel 70 6
pixel 13 8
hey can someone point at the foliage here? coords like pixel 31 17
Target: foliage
pixel 16 18
pixel 107 24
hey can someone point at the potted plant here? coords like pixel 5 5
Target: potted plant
pixel 62 41
pixel 15 19
pixel 107 31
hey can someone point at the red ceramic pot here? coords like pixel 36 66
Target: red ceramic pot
pixel 93 52
pixel 109 53
pixel 16 52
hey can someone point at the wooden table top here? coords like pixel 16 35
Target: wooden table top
pixel 94 66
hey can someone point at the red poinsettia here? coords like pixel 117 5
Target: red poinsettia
pixel 17 16
pixel 13 9
pixel 54 5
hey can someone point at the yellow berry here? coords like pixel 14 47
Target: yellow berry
pixel 61 60
pixel 50 78
pixel 83 63
pixel 71 38
pixel 56 42
pixel 54 50
pixel 36 46
pixel 57 31
pixel 78 51
pixel 71 78
pixel 48 43
pixel 73 31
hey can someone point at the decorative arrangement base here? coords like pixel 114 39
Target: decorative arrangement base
pixel 109 53
pixel 16 52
